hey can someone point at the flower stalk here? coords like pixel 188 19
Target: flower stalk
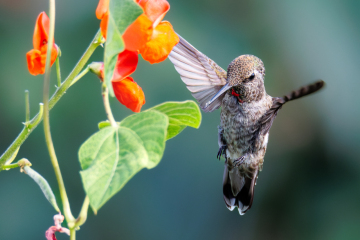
pixel 105 95
pixel 27 106
pixel 58 71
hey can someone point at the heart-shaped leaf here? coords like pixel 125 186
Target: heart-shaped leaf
pixel 112 156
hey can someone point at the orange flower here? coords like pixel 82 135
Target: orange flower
pixel 129 93
pixel 161 43
pixel 147 34
pixel 36 57
pixel 163 38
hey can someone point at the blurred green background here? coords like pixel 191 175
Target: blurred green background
pixel 309 187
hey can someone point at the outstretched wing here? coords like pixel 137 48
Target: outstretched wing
pixel 202 76
pixel 267 119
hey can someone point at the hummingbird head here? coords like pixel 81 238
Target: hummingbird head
pixel 245 69
pixel 245 77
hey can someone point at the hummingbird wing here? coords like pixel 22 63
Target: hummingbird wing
pixel 202 76
pixel 267 119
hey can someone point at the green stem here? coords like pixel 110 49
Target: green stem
pixel 49 143
pixel 14 165
pixel 72 234
pixel 105 95
pixel 58 72
pixel 12 158
pixel 21 163
pixel 83 213
pixel 27 106
pixel 23 135
pixel 78 77
pixel 37 119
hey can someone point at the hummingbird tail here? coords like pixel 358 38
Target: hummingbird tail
pixel 244 198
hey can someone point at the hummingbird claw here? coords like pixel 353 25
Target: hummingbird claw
pixel 222 151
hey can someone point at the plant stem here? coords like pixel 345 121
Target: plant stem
pixel 21 163
pixel 23 135
pixel 58 72
pixel 105 95
pixel 27 106
pixel 78 77
pixel 83 213
pixel 14 165
pixel 37 119
pixel 72 234
pixel 49 143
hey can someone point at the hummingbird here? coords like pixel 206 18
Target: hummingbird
pixel 247 114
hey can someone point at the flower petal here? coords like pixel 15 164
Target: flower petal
pixel 138 33
pixel 126 64
pixel 54 53
pixel 103 24
pixel 155 10
pixel 36 59
pixel 102 8
pixel 50 233
pixel 162 42
pixel 129 93
pixel 33 58
pixel 41 30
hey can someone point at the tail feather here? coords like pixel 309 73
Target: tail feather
pixel 237 182
pixel 245 196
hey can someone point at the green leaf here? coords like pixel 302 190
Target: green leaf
pixel 151 131
pixel 181 115
pixel 121 14
pixel 112 156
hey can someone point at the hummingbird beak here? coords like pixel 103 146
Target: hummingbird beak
pixel 222 91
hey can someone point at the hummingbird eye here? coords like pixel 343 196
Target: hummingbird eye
pixel 252 76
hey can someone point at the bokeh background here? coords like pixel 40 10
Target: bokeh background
pixel 309 187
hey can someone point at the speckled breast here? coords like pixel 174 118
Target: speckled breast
pixel 240 122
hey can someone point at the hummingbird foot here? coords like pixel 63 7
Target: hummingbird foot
pixel 222 151
pixel 239 161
